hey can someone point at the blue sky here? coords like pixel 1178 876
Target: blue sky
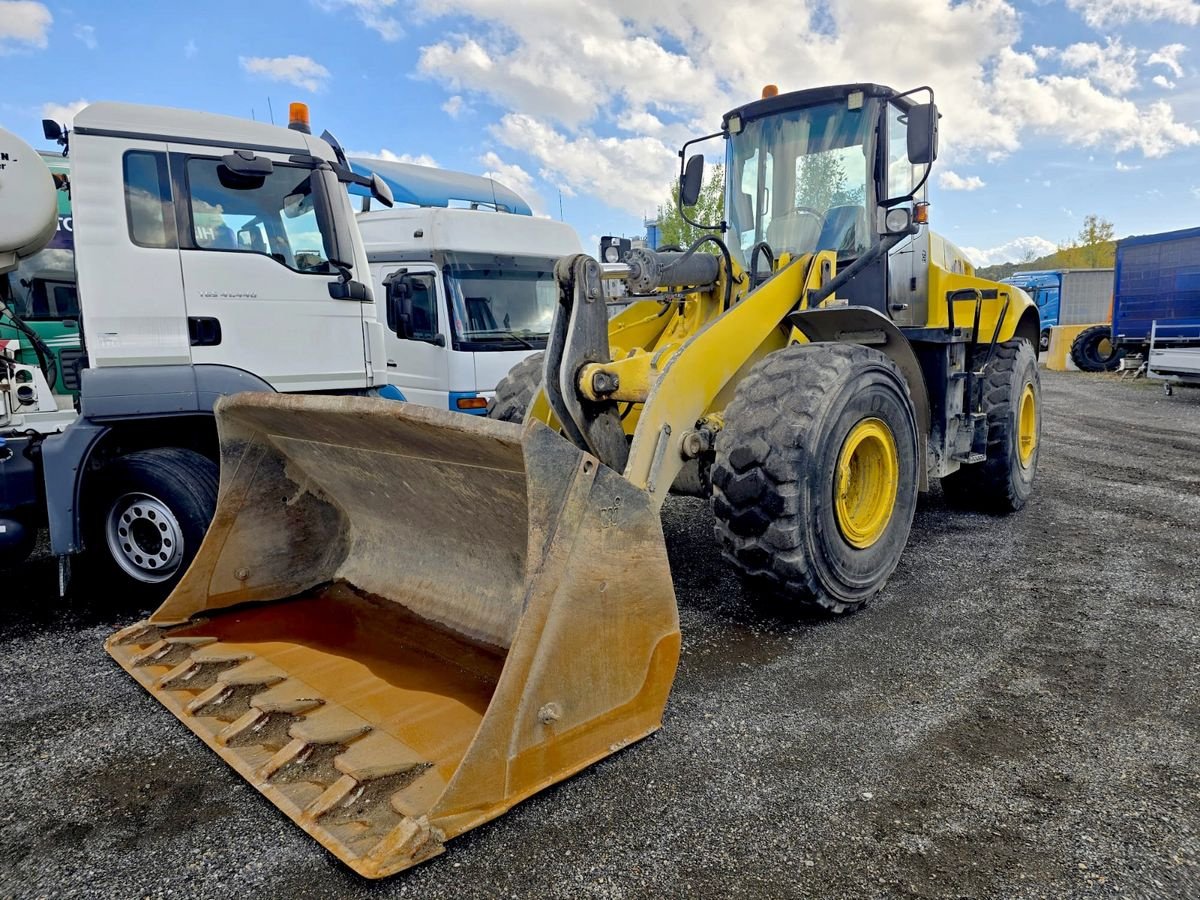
pixel 1052 108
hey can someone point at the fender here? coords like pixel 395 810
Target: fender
pixel 866 326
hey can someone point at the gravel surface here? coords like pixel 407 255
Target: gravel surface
pixel 1016 716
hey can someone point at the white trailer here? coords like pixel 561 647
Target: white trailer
pixel 467 295
pixel 213 255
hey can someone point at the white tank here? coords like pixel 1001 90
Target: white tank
pixel 28 204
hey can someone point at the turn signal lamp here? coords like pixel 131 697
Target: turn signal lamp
pixel 921 213
pixel 298 117
pixel 471 402
pixel 770 90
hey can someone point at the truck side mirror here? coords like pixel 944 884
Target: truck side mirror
pixel 922 133
pixel 399 303
pixel 381 191
pixel 691 181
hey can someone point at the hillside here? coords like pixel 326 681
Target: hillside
pixel 1097 256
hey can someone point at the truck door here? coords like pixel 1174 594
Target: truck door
pixel 256 280
pixel 417 364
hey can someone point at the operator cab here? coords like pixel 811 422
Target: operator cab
pixel 831 168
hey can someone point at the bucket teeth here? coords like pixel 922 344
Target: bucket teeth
pixel 270 716
pixel 143 632
pixel 171 651
pixel 200 670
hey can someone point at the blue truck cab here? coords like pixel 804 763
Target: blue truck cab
pixel 1044 288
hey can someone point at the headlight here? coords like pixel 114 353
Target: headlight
pixel 897 220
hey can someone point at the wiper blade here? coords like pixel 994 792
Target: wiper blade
pixel 508 334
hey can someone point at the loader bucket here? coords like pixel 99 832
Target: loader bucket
pixel 403 621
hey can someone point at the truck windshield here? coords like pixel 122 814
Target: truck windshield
pixel 798 180
pixel 500 302
pixel 42 287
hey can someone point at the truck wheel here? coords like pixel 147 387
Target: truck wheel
pixel 149 515
pixel 1044 340
pixel 515 391
pixel 1093 350
pixel 815 474
pixel 1012 401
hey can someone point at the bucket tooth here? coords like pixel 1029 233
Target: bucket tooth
pixel 143 632
pixel 170 651
pixel 270 716
pixel 229 698
pixel 200 670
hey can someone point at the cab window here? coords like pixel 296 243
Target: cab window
pixel 269 215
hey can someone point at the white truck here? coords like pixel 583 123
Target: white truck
pixel 213 255
pixel 468 292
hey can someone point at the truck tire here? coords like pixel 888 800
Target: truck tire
pixel 815 475
pixel 1093 350
pixel 515 391
pixel 148 516
pixel 1044 340
pixel 1012 395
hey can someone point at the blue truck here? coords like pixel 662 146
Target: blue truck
pixel 1157 280
pixel 1067 296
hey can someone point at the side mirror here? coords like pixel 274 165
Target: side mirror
pixel 691 181
pixel 399 303
pixel 380 191
pixel 922 133
pixel 51 130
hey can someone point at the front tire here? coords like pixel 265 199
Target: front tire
pixel 149 515
pixel 1012 402
pixel 515 392
pixel 815 475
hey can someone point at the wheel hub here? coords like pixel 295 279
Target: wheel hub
pixel 144 537
pixel 1027 436
pixel 867 479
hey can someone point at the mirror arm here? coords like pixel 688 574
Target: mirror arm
pixel 722 227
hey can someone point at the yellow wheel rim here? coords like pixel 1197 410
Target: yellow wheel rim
pixel 867 483
pixel 1027 436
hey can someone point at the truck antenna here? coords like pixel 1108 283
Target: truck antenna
pixel 271 109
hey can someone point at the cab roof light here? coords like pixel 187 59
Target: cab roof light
pixel 770 90
pixel 298 117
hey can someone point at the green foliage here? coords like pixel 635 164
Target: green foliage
pixel 709 210
pixel 821 183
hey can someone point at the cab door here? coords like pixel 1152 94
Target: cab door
pixel 256 280
pixel 417 364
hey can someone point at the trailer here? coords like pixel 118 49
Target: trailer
pixel 1174 353
pixel 1157 280
pixel 1067 296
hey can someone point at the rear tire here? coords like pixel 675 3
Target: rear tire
pixel 1044 340
pixel 148 516
pixel 815 475
pixel 1004 481
pixel 1093 350
pixel 516 390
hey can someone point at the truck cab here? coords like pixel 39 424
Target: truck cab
pixel 465 295
pixel 214 255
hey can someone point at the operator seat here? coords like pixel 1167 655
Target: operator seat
pixel 795 231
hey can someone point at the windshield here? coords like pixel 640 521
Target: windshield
pixel 798 180
pixel 42 287
pixel 501 300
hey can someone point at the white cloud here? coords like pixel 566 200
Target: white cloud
pixel 633 173
pixel 569 72
pixel 952 181
pixel 1168 56
pixel 23 23
pixel 1103 13
pixel 1016 250
pixel 301 71
pixel 454 106
pixel 372 13
pixel 63 113
pixel 421 159
pixel 1163 82
pixel 1113 66
pixel 513 176
pixel 86 35
pixel 1125 167
pixel 190 50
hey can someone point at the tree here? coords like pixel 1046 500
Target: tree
pixel 822 183
pixel 709 210
pixel 1092 248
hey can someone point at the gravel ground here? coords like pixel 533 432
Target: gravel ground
pixel 1015 716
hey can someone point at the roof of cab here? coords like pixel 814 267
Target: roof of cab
pixel 161 123
pixel 428 186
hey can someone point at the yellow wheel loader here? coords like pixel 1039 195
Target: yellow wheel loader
pixel 403 621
